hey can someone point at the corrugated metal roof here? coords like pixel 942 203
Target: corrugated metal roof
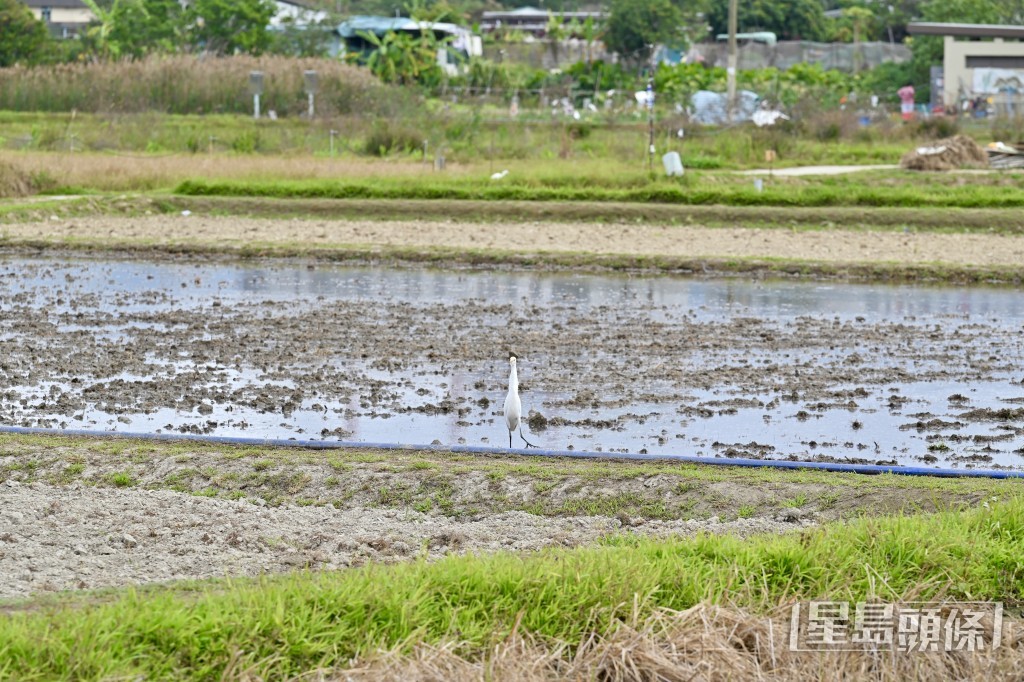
pixel 965 30
pixel 64 4
pixel 378 25
pixel 381 25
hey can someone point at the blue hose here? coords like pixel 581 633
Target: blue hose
pixel 870 469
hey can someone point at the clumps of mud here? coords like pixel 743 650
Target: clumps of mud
pixel 179 357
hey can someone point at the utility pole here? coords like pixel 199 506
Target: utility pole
pixel 650 124
pixel 730 71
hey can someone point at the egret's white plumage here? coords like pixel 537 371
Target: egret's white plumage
pixel 514 406
pixel 499 176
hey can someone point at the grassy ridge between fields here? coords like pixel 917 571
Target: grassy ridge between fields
pixel 287 625
pixel 688 193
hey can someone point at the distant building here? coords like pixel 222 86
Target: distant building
pixel 295 13
pixel 462 44
pixel 68 18
pixel 978 60
pixel 532 20
pixel 64 18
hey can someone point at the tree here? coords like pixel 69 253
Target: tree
pixel 555 32
pixel 230 26
pixel 311 40
pixel 787 19
pixel 401 57
pixel 23 38
pixel 636 26
pixel 142 27
pixel 133 28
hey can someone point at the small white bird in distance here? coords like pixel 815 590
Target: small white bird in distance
pixel 499 176
pixel 513 406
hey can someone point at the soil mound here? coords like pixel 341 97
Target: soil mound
pixel 950 153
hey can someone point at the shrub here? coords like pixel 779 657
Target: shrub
pixel 386 138
pixel 938 127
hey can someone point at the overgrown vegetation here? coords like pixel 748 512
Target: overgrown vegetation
pixel 285 626
pixel 187 84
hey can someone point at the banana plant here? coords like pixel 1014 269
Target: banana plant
pixel 101 31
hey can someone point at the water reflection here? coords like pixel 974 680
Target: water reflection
pixel 121 288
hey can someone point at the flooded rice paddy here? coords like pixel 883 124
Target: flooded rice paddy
pixel 714 367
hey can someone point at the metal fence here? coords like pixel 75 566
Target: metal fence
pixel 782 55
pixel 547 54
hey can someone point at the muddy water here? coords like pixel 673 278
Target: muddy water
pixel 912 375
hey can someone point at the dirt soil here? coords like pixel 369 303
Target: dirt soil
pixel 691 242
pixel 81 513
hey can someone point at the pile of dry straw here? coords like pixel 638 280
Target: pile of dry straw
pixel 951 153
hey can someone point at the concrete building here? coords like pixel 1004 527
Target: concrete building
pixel 978 60
pixel 533 21
pixel 64 18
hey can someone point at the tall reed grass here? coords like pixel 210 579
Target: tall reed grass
pixel 190 84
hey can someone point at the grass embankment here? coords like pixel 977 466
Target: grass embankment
pixel 462 486
pixel 868 189
pixel 990 221
pixel 285 626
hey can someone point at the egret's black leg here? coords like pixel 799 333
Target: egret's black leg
pixel 528 443
pixel 509 440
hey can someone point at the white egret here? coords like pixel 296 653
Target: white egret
pixel 513 406
pixel 499 176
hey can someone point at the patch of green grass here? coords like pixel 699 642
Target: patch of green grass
pixel 263 464
pixel 798 501
pixel 394 495
pixel 543 486
pixel 192 631
pixel 74 469
pixel 902 190
pixel 612 505
pixel 367 458
pixel 828 500
pixel 338 464
pixel 29 467
pixel 439 491
pixel 746 511
pixel 421 465
pixel 121 479
pixel 281 483
pixel 206 492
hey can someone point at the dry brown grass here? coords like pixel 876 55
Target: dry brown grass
pixel 119 172
pixel 15 180
pixel 703 643
pixel 191 84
